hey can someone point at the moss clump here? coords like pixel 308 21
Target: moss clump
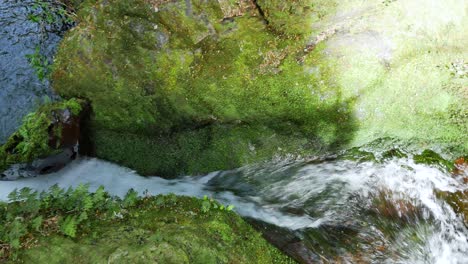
pixel 357 154
pixel 394 153
pixel 203 92
pixel 430 157
pixel 76 226
pixel 38 136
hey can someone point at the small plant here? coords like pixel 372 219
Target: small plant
pixel 40 64
pixel 388 2
pixel 48 14
pixel 57 210
pixel 210 203
pixel 51 12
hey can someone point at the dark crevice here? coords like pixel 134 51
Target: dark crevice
pixel 261 12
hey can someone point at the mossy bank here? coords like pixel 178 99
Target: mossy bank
pixel 76 226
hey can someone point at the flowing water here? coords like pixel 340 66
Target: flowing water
pixel 338 209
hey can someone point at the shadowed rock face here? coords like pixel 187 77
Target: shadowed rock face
pixel 20 89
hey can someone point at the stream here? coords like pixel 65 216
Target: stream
pixel 329 210
pixel 334 209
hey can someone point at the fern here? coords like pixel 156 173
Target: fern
pixel 69 226
pixel 37 223
pixel 131 198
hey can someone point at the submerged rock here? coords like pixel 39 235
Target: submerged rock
pixel 46 142
pixel 458 200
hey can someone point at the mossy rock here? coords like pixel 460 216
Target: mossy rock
pixel 357 154
pixel 40 135
pixel 197 90
pixel 160 229
pixel 458 201
pixel 429 157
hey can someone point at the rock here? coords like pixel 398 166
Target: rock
pixel 458 200
pixel 21 89
pixel 48 139
pixel 389 205
pixel 357 154
pixel 189 87
pixel 461 168
pixel 394 153
pixel 286 241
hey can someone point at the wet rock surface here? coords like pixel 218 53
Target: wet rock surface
pixel 21 90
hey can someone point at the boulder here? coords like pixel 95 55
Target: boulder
pixel 188 87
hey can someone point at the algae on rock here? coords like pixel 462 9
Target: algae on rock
pixel 196 90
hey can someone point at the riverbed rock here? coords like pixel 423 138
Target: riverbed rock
pixel 46 142
pixel 395 207
pixel 286 241
pixel 458 200
pixel 195 86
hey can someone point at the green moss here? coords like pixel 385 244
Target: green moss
pixel 207 94
pixel 162 229
pixel 430 157
pixel 357 154
pixel 32 140
pixel 394 153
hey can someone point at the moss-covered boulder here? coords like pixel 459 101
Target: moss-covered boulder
pixel 75 226
pixel 195 86
pixel 50 130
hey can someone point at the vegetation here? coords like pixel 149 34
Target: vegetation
pixel 53 12
pixel 33 138
pixel 64 226
pixel 40 64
